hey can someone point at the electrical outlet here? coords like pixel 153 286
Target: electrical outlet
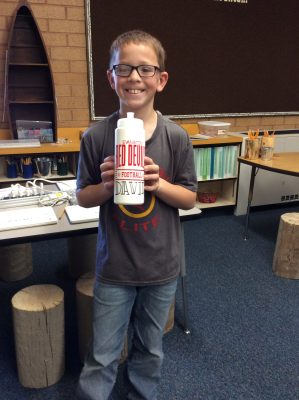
pixel 289 197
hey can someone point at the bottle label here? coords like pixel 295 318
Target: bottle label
pixel 129 170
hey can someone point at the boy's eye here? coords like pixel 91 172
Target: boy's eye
pixel 146 69
pixel 123 69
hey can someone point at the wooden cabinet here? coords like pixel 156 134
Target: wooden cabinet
pixel 29 88
pixel 217 170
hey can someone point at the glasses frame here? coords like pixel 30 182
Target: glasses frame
pixel 137 69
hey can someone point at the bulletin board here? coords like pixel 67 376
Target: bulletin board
pixel 224 58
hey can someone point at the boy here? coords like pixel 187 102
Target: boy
pixel 138 251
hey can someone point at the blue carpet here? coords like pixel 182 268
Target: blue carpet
pixel 244 321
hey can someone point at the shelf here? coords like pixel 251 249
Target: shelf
pixel 21 45
pixel 218 141
pixel 43 149
pixel 12 167
pixel 217 169
pixel 29 78
pixel 42 112
pixel 218 179
pixel 26 64
pixel 219 203
pixel 30 102
pixel 50 177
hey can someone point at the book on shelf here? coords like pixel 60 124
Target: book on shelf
pixel 217 162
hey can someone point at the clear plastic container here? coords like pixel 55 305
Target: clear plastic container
pixel 213 128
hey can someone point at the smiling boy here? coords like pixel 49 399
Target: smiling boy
pixel 138 250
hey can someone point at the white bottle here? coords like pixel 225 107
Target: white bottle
pixel 129 161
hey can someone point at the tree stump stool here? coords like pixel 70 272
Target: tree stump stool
pixel 81 254
pixel 170 322
pixel 38 320
pixel 84 296
pixel 286 255
pixel 16 262
pixel 84 299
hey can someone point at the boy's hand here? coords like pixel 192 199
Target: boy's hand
pixel 151 175
pixel 107 173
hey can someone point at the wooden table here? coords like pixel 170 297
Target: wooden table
pixel 65 229
pixel 282 163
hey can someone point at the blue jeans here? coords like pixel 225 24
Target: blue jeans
pixel 113 306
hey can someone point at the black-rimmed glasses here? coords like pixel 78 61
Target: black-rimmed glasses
pixel 144 71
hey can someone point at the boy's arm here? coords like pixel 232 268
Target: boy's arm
pixel 96 195
pixel 174 195
pixel 93 195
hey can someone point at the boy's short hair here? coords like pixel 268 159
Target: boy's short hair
pixel 139 37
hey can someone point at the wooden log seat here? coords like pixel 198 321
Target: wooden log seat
pixel 81 254
pixel 16 262
pixel 38 321
pixel 286 255
pixel 84 297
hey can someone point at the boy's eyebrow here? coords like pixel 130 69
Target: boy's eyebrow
pixel 156 64
pixel 137 65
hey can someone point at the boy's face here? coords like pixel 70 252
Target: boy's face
pixel 136 93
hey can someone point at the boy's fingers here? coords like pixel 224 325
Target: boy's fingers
pixel 153 169
pixel 109 185
pixel 151 177
pixel 109 158
pixel 107 165
pixel 148 161
pixel 107 176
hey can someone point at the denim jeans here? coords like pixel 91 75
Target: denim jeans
pixel 113 306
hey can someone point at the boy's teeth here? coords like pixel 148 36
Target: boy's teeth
pixel 134 91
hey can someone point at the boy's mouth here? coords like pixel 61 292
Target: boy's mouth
pixel 134 91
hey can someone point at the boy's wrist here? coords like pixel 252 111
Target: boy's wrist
pixel 158 187
pixel 107 191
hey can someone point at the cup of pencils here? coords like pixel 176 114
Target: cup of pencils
pixel 62 166
pixel 43 167
pixel 267 148
pixel 252 145
pixel 27 168
pixel 11 168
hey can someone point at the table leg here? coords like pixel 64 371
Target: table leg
pixel 182 277
pixel 184 298
pixel 250 194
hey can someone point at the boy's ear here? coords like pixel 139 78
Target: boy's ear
pixel 110 78
pixel 163 78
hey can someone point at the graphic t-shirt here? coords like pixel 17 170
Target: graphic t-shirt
pixel 141 244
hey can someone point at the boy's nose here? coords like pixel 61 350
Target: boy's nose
pixel 134 75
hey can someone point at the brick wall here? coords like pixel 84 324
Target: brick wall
pixel 62 24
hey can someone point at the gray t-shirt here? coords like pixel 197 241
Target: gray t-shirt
pixel 139 245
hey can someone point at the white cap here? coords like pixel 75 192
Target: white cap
pixel 130 122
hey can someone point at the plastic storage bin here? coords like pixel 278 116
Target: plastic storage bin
pixel 213 128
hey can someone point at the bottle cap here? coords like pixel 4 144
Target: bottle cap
pixel 130 122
